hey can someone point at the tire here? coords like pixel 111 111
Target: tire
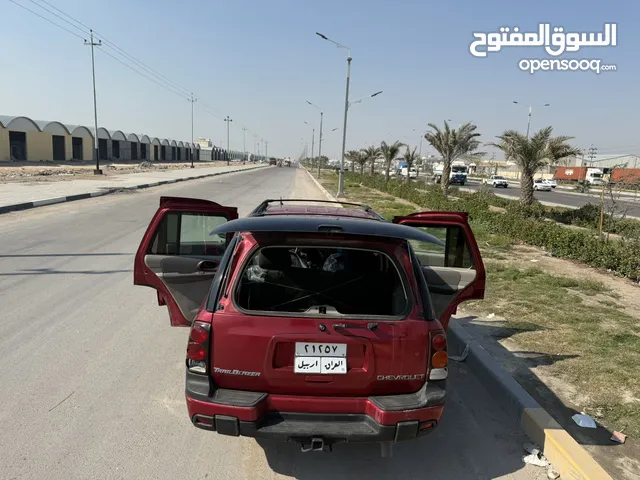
pixel 462 184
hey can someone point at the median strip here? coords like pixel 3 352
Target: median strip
pixel 566 455
pixel 81 196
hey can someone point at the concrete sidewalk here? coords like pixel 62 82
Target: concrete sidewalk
pixel 22 196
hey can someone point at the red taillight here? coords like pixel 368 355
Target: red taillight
pixel 196 352
pixel 198 344
pixel 199 333
pixel 439 342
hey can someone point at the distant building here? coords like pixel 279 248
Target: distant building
pixel 24 139
pixel 607 161
pixel 204 142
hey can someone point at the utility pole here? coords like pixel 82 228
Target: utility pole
pixel 344 131
pixel 228 120
pixel 192 100
pixel 244 145
pixel 266 152
pixel 91 43
pixel 313 139
pixel 320 146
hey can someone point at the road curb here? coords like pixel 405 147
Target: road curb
pixel 568 458
pixel 81 196
pixel 322 189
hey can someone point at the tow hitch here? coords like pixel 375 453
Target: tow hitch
pixel 316 445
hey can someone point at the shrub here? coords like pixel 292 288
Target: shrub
pixel 526 224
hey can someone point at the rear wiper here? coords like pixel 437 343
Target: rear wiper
pixel 370 326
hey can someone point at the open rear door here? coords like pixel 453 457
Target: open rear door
pixel 454 271
pixel 179 257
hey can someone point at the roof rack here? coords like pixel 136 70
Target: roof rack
pixel 262 208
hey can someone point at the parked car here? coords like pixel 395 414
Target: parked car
pixel 273 161
pixel 413 172
pixel 540 185
pixel 311 324
pixel 496 181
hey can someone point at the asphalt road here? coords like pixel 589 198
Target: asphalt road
pixel 630 204
pixel 93 376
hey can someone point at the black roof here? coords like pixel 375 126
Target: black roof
pixel 319 224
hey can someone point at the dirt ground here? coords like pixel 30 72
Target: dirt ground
pixel 20 172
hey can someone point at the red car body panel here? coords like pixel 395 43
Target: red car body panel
pixel 398 347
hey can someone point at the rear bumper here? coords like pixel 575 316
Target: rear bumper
pixel 391 418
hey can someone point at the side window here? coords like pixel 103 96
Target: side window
pixel 188 233
pixel 454 252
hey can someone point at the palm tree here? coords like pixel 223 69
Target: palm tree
pixel 533 154
pixel 372 154
pixel 410 157
pixel 352 156
pixel 389 153
pixel 362 160
pixel 452 145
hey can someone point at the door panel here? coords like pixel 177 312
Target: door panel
pixel 453 270
pixel 177 255
pixel 445 283
pixel 185 282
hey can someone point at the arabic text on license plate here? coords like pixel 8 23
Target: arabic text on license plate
pixel 322 358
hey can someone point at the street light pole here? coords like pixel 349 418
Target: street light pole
pixel 529 116
pixel 228 120
pixel 192 100
pixel 320 141
pixel 96 152
pixel 344 131
pixel 346 110
pixel 255 152
pixel 244 145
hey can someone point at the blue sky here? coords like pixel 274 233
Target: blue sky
pixel 259 61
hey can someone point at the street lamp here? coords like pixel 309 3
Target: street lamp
pixel 364 98
pixel 228 120
pixel 319 141
pixel 529 118
pixel 346 109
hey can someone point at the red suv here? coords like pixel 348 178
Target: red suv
pixel 310 322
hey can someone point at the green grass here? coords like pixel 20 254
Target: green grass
pixel 553 315
pixel 573 317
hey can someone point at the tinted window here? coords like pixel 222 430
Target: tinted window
pixel 182 233
pixel 321 280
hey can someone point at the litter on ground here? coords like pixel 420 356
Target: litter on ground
pixel 583 420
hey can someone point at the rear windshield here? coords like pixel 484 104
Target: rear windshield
pixel 322 280
pixel 498 177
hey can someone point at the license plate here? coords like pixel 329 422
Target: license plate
pixel 320 358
